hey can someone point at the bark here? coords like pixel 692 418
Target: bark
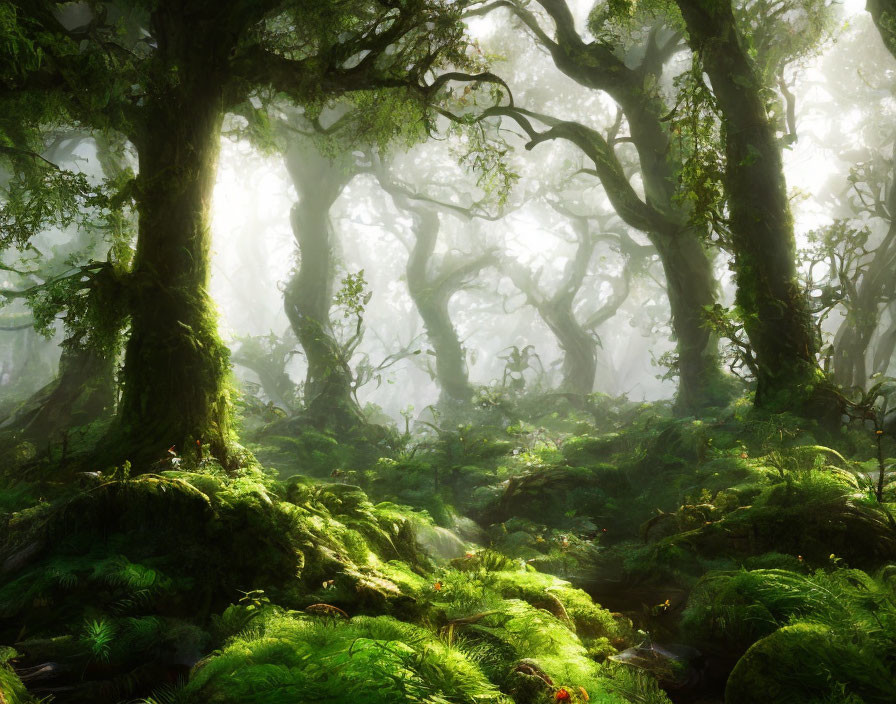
pixel 329 401
pixel 775 310
pixel 176 367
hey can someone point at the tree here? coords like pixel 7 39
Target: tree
pixel 308 295
pixel 434 279
pixel 773 307
pixel 577 337
pixel 267 356
pixel 163 74
pixel 661 213
pixel 82 278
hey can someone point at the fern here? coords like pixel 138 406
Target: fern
pixel 98 636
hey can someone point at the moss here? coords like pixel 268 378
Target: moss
pixel 131 570
pixel 532 639
pixel 12 691
pixel 587 618
pixel 825 634
pixel 363 660
pixel 805 662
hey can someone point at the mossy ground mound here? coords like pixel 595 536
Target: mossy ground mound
pixel 370 582
pixel 117 583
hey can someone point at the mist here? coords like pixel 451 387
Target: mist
pixel 515 351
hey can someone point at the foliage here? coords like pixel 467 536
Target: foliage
pixel 11 687
pixel 695 124
pixel 728 324
pixel 831 630
pixel 365 659
pixel 353 295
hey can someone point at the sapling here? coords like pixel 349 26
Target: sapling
pixel 875 406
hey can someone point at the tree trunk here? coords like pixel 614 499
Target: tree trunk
pixel 84 389
pixel 578 344
pixel 690 282
pixel 176 367
pixel 83 392
pixel 886 346
pixel 329 401
pixel 691 287
pixel 874 290
pixel 775 310
pixel 851 344
pixel 451 366
pixel 687 266
pixel 579 349
pixel 431 300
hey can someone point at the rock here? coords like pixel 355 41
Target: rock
pixel 675 666
pixel 802 662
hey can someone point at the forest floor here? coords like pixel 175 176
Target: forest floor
pixel 615 555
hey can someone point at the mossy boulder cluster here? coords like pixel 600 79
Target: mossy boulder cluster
pixel 256 589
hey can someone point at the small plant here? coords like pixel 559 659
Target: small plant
pixel 122 473
pixel 875 407
pixel 516 362
pixel 254 599
pixel 98 636
pixel 353 295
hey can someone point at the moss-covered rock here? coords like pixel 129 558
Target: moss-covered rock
pixel 119 581
pixel 805 662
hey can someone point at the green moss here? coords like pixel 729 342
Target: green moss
pixel 12 691
pixel 825 634
pixel 363 660
pixel 805 662
pixel 588 619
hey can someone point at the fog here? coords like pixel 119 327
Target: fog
pixel 254 249
pixel 843 105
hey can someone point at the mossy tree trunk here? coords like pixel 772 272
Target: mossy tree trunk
pixel 691 287
pixel 308 297
pixel 82 392
pixel 176 366
pixel 774 308
pixel 84 389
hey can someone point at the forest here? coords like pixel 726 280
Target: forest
pixel 448 351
